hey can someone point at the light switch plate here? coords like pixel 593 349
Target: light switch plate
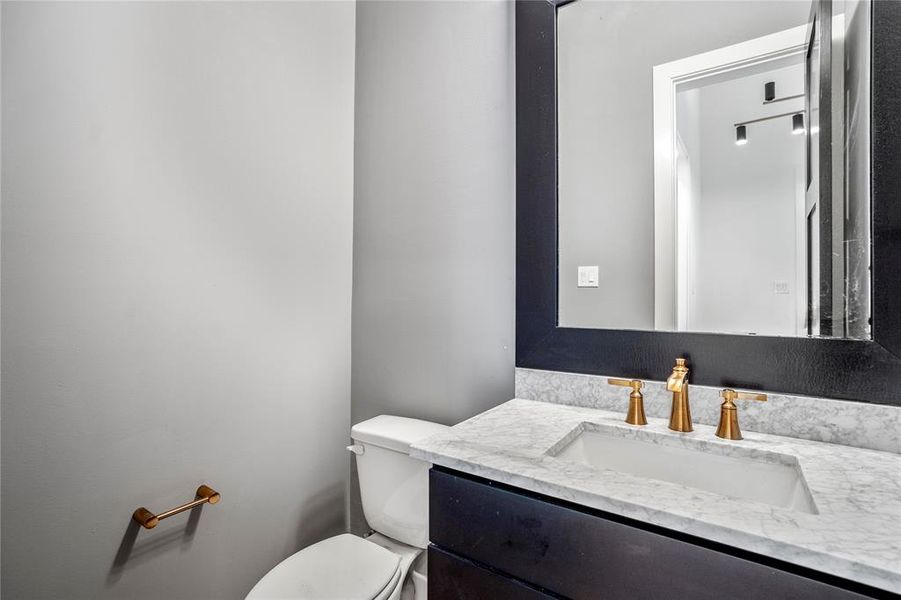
pixel 588 276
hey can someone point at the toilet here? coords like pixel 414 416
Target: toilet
pixel 394 489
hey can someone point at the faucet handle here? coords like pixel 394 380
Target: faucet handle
pixel 731 395
pixel 635 384
pixel 635 416
pixel 728 428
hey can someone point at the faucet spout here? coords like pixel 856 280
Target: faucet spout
pixel 677 383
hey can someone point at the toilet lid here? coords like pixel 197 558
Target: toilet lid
pixel 343 567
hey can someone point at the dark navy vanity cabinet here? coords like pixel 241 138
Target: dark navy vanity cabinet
pixel 490 540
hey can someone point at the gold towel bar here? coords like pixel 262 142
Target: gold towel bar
pixel 148 520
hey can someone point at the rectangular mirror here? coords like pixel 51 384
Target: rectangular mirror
pixel 714 167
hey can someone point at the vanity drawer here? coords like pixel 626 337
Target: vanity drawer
pixel 581 553
pixel 454 578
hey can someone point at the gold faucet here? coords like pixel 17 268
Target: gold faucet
pixel 677 383
pixel 728 428
pixel 635 416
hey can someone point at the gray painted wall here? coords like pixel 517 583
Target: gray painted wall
pixel 433 300
pixel 606 52
pixel 433 209
pixel 176 243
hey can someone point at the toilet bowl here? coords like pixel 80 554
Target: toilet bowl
pixel 387 564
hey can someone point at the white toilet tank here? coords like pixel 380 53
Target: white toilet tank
pixel 394 487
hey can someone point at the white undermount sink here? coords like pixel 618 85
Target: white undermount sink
pixel 728 470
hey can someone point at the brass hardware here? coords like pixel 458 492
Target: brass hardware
pixel 635 415
pixel 677 383
pixel 728 428
pixel 148 520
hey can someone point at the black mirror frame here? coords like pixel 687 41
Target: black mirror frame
pixel 868 371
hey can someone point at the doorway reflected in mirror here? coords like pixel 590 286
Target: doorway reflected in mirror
pixel 713 173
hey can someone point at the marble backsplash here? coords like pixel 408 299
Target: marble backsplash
pixel 858 424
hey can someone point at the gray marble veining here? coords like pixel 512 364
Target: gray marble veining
pixel 858 424
pixel 855 532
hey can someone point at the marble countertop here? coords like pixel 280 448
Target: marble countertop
pixel 856 533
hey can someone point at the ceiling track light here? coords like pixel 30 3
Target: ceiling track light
pixel 741 131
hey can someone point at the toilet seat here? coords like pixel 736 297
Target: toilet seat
pixel 392 586
pixel 343 567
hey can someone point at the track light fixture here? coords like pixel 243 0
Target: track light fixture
pixel 741 131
